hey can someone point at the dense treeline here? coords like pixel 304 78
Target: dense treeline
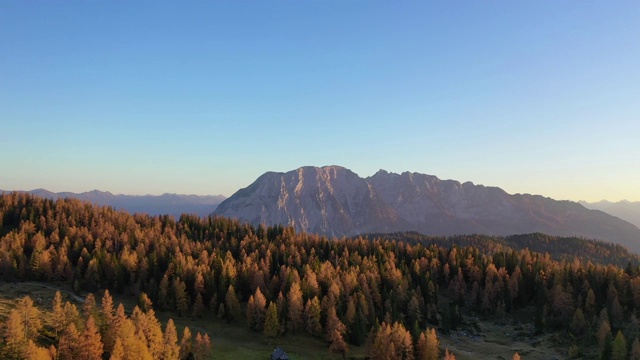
pixel 96 331
pixel 349 291
pixel 561 248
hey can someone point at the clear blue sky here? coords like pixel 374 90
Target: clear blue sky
pixel 203 97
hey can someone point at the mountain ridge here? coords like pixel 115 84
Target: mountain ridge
pixel 624 209
pixel 334 201
pixel 167 203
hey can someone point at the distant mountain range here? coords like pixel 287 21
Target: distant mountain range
pixel 625 210
pixel 335 201
pixel 172 204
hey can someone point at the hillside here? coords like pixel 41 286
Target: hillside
pixel 172 204
pixel 383 296
pixel 334 201
pixel 625 210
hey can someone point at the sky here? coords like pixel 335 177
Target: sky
pixel 202 97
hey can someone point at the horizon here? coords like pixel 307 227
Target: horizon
pixel 203 98
pixel 227 196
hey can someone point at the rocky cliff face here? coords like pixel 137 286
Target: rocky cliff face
pixel 331 200
pixel 334 201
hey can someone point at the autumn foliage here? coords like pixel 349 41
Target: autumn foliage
pixel 347 291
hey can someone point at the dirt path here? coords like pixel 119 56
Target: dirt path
pixel 74 296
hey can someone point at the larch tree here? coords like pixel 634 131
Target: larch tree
pixel 619 347
pixel 428 345
pixel 271 321
pixel 152 330
pixel 133 342
pixel 144 303
pixel 603 334
pixel 163 293
pixel 171 347
pixel 578 323
pixel 202 347
pixel 198 306
pixel 336 338
pixel 72 316
pixel 89 307
pixel 14 334
pixel 30 316
pixel 233 310
pixel 185 343
pixel 35 352
pixel 118 351
pixel 70 344
pixel 516 356
pixel 181 296
pixel 107 314
pixel 256 310
pixel 312 317
pixel 295 308
pixel 251 321
pixel 382 347
pixel 635 350
pixel 113 328
pixel 403 342
pixel 92 346
pixel 58 315
pixel 448 355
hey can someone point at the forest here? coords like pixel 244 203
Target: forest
pixel 395 294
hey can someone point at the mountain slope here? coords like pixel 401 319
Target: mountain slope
pixel 335 201
pixel 331 200
pixel 625 210
pixel 172 204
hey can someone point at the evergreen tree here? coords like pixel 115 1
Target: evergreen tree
pixel 35 352
pixel 144 303
pixel 619 347
pixel 382 347
pixel 92 346
pixel 70 345
pixel 578 323
pixel 202 348
pixel 58 315
pixel 428 345
pixel 312 312
pixel 448 355
pixel 181 297
pixel 295 307
pixel 271 322
pixel 14 334
pixel 107 313
pixel 635 350
pixel 171 347
pixel 185 343
pixel 198 306
pixel 233 311
pixel 30 316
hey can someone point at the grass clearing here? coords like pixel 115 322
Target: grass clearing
pixel 476 339
pixel 230 341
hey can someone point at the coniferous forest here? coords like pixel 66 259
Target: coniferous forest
pixel 396 294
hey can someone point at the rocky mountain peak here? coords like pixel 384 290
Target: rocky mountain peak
pixel 334 201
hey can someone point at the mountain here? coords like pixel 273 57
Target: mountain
pixel 172 204
pixel 331 200
pixel 334 201
pixel 625 210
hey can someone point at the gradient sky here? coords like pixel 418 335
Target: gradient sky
pixel 147 97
